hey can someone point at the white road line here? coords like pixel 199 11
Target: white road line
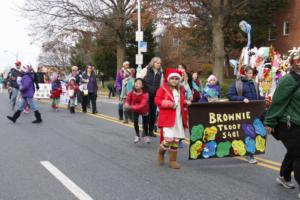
pixel 77 191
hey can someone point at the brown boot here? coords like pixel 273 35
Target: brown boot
pixel 173 158
pixel 161 155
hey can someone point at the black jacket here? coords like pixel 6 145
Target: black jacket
pixel 14 74
pixel 152 81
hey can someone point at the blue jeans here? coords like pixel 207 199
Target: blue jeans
pixel 14 95
pixel 29 101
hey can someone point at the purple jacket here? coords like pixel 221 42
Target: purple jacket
pixel 119 78
pixel 27 85
pixel 210 91
pixel 92 84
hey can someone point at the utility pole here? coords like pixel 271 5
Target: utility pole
pixel 139 38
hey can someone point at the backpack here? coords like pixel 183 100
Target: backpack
pixel 239 87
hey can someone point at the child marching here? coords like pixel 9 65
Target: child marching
pixel 172 119
pixel 127 86
pixel 137 101
pixel 56 90
pixel 72 90
pixel 212 90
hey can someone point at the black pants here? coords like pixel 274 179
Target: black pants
pixel 136 124
pixel 152 114
pixel 290 138
pixel 111 92
pixel 85 100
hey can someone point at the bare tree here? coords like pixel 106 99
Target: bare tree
pixel 68 18
pixel 56 54
pixel 209 15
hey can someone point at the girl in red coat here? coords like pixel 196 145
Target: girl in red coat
pixel 172 119
pixel 137 101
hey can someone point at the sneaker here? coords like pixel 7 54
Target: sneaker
pixel 286 184
pixel 136 139
pixel 251 160
pixel 147 139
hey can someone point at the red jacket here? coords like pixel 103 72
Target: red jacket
pixel 75 88
pixel 138 103
pixel 164 99
pixel 56 93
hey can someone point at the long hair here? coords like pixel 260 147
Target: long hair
pixel 178 87
pixel 154 60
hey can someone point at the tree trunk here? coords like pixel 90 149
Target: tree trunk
pixel 218 39
pixel 120 55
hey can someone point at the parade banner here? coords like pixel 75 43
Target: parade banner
pixel 226 129
pixel 44 92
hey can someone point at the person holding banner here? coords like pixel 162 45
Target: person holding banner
pixel 27 89
pixel 245 89
pixel 283 119
pixel 211 91
pixel 172 118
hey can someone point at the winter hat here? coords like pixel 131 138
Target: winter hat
pixel 170 72
pixel 125 63
pixel 72 78
pixel 211 77
pixel 25 68
pixel 294 56
pixel 18 63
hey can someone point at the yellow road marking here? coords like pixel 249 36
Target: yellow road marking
pixel 268 161
pixel 261 164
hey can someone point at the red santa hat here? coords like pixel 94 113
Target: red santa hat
pixel 170 72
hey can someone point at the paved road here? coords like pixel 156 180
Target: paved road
pixel 98 155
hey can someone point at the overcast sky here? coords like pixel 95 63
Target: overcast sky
pixel 14 39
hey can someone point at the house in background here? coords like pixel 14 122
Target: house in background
pixel 285 31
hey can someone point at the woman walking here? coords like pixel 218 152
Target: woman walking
pixel 90 91
pixel 284 116
pixel 27 89
pixel 153 78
